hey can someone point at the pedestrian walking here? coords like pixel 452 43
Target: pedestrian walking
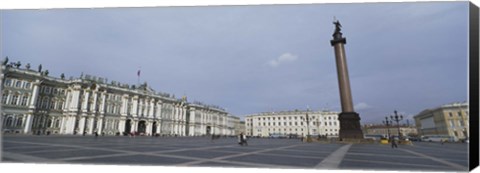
pixel 240 139
pixel 394 144
pixel 244 139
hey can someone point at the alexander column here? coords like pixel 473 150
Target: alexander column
pixel 349 119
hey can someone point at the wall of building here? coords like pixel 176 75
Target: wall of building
pixel 35 103
pixel 450 119
pixel 293 123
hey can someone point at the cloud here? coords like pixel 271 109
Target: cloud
pixel 284 58
pixel 362 106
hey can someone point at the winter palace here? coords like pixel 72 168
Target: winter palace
pixel 35 103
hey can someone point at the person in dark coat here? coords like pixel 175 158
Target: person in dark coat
pixel 394 144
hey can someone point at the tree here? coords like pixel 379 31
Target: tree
pixel 28 66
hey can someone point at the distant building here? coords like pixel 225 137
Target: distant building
pixel 241 128
pixel 35 103
pixel 450 119
pixel 293 123
pixel 384 130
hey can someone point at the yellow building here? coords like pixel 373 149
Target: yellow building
pixel 449 119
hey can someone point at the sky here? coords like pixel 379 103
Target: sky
pixel 250 59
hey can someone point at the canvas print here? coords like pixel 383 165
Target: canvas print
pixel 358 86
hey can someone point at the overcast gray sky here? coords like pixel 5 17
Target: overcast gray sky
pixel 251 59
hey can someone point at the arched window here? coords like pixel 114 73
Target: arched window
pixel 9 122
pixel 8 82
pixel 60 105
pixel 57 123
pixel 52 104
pixel 24 100
pixel 18 84
pixel 49 123
pixel 14 99
pixel 45 102
pixel 4 97
pixel 19 122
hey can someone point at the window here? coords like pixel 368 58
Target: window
pixel 60 105
pixel 289 123
pixel 329 118
pixel 14 100
pixel 313 123
pixel 460 122
pixel 450 114
pixel 26 85
pixel 55 91
pixel 4 98
pixel 18 84
pixel 52 104
pixel 45 102
pixel 325 123
pixel 284 123
pixel 24 100
pixel 295 123
pixel 301 123
pixel 459 114
pixel 8 82
pixel 329 123
pixel 9 122
pixel 57 123
pixel 49 123
pixel 47 90
pixel 452 124
pixel 19 122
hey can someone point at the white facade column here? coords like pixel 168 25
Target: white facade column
pixel 134 126
pixel 152 108
pixel 28 124
pixel 62 125
pixel 121 126
pixel 100 125
pixel 34 97
pixel 102 104
pixel 148 129
pixel 159 125
pixel 85 100
pixel 90 125
pixel 81 125
pixel 71 124
pixel 135 106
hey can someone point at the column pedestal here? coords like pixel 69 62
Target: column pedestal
pixel 350 126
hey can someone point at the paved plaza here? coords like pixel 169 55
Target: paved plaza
pixel 225 152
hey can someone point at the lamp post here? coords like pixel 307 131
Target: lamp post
pixel 397 119
pixel 387 123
